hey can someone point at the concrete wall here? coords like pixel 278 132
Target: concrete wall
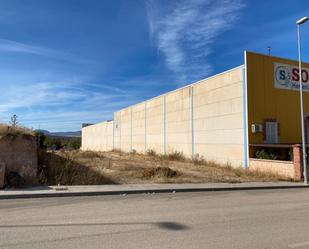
pixel 179 121
pixel 204 118
pixel 98 137
pixel 155 125
pixel 218 118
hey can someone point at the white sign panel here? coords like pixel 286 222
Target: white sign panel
pixel 287 77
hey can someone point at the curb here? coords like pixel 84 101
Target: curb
pixel 143 191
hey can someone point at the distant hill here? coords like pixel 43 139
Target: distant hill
pixel 61 134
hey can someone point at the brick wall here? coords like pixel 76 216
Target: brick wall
pixel 282 168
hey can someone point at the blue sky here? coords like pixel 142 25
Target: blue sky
pixel 63 63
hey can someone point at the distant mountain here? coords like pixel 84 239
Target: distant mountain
pixel 61 134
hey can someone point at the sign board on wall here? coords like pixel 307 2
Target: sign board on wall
pixel 287 77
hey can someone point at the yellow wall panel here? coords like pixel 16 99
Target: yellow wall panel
pixel 267 102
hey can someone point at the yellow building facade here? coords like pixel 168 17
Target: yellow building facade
pixel 273 99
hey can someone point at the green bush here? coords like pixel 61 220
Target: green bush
pixel 266 154
pixel 57 143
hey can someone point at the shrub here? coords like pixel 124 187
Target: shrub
pixel 159 172
pixel 151 153
pixel 198 159
pixel 163 157
pixel 176 156
pixel 91 154
pixel 15 130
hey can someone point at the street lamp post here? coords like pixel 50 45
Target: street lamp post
pixel 299 22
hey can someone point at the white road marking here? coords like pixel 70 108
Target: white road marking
pixel 300 244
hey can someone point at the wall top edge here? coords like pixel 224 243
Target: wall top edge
pixel 180 88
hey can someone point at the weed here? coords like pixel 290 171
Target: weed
pixel 163 157
pixel 159 172
pixel 90 154
pixel 199 160
pixel 151 152
pixel 176 156
pixel 117 151
pixel 63 168
pixel 15 130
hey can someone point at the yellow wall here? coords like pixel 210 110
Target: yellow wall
pixel 267 102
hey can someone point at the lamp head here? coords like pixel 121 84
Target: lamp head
pixel 302 20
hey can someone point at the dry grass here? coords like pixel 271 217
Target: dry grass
pixel 151 153
pixel 176 156
pixel 64 168
pixel 86 167
pixel 159 172
pixel 6 129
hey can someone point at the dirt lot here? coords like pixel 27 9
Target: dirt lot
pixel 85 167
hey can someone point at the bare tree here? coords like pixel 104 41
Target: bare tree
pixel 14 121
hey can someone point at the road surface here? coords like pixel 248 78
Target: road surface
pixel 265 219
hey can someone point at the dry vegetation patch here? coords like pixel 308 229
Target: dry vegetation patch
pixel 6 129
pixel 87 167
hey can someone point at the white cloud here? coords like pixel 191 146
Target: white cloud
pixel 18 47
pixel 56 105
pixel 49 94
pixel 184 32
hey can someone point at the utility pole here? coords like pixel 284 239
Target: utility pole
pixel 302 121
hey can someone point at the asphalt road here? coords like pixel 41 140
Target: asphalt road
pixel 239 219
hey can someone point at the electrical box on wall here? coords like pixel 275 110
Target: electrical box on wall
pixel 256 128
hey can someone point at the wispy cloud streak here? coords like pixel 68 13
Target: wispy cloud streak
pixel 55 105
pixel 184 34
pixel 18 47
pixel 56 94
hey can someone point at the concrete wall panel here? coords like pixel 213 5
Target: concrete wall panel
pixel 138 127
pixel 98 137
pixel 155 125
pixel 205 118
pixel 218 118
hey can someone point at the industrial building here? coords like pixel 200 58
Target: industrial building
pixel 225 118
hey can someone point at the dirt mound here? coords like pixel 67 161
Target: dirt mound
pixel 160 172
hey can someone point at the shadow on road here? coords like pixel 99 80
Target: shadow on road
pixel 162 225
pixel 171 226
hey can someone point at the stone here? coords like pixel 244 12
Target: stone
pixel 15 180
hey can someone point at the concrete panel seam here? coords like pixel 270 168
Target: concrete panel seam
pixel 192 121
pixel 165 124
pixel 131 131
pixel 145 126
